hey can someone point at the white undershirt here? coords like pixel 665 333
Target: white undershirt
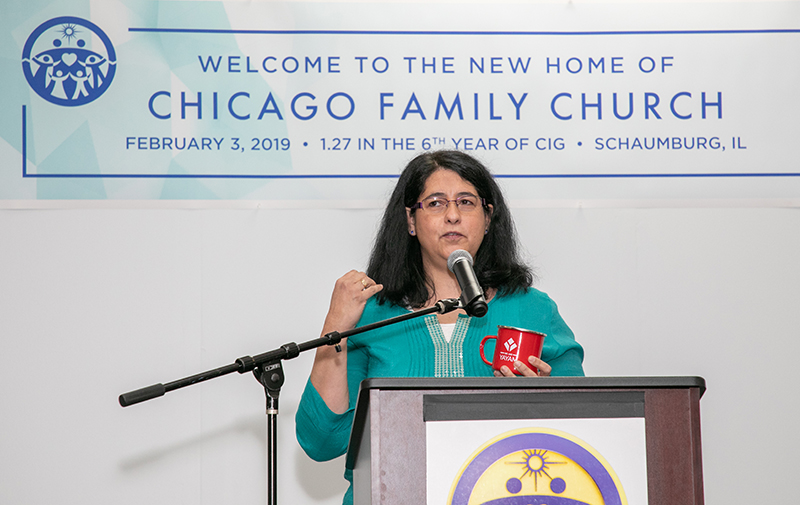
pixel 447 329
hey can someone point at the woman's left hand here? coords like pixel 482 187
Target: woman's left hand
pixel 525 370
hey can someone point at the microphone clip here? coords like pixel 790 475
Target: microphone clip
pixel 449 305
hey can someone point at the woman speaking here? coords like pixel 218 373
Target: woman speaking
pixel 443 201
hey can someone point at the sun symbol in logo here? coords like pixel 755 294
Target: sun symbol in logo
pixel 69 31
pixel 536 463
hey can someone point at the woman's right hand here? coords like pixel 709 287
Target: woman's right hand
pixel 350 295
pixel 329 373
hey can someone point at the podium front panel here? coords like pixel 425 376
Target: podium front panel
pixel 388 444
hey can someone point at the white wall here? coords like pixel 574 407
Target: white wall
pixel 94 303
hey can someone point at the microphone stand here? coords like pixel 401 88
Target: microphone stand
pixel 268 371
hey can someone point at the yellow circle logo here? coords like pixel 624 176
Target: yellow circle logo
pixel 536 466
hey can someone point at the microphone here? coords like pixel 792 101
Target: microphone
pixel 460 263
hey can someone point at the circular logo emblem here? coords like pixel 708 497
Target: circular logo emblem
pixel 69 61
pixel 536 466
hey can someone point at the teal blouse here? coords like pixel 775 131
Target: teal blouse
pixel 417 348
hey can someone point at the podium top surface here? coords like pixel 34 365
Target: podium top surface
pixel 512 384
pixel 534 383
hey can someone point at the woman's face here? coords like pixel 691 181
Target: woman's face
pixel 440 234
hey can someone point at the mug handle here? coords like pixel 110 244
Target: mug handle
pixel 487 337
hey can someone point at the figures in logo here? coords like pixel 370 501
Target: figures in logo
pixel 69 61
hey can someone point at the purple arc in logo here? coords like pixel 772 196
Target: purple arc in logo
pixel 69 61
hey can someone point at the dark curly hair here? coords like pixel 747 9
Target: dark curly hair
pixel 396 258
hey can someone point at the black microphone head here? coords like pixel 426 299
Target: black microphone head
pixel 457 255
pixel 477 308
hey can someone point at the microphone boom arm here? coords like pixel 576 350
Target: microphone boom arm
pixel 285 352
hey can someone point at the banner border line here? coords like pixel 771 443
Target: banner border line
pixel 24 141
pixel 394 176
pixel 223 31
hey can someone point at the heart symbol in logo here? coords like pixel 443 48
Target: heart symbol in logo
pixel 69 58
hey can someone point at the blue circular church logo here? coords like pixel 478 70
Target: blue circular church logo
pixel 69 61
pixel 536 466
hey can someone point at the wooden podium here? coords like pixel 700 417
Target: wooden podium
pixel 387 450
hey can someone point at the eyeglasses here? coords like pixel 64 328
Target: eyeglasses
pixel 437 204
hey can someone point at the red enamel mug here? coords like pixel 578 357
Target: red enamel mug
pixel 513 344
